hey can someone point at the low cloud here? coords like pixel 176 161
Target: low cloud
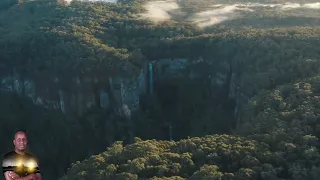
pixel 160 11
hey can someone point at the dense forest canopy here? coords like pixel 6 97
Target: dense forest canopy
pixel 267 49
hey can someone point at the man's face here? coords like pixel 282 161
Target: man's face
pixel 20 141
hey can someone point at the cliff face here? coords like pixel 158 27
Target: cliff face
pixel 83 93
pixel 219 75
pixel 80 94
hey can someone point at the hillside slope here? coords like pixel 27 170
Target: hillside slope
pixel 279 139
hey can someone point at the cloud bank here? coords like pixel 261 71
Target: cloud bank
pixel 158 11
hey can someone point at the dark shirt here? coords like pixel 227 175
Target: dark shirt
pixel 23 165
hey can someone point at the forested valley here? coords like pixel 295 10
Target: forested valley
pixel 245 106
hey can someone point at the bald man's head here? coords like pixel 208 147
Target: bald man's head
pixel 19 132
pixel 20 141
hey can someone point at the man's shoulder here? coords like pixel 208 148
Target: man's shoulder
pixel 13 154
pixel 8 158
pixel 31 156
pixel 9 155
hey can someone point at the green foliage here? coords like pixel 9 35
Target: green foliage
pixel 282 149
pixel 5 4
pixel 214 157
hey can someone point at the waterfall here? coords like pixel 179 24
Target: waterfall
pixel 150 79
pixel 62 104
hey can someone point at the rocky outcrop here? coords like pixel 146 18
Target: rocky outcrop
pixel 119 93
pixel 219 73
pixel 80 94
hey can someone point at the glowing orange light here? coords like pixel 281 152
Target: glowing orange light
pixel 31 165
pixel 20 163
